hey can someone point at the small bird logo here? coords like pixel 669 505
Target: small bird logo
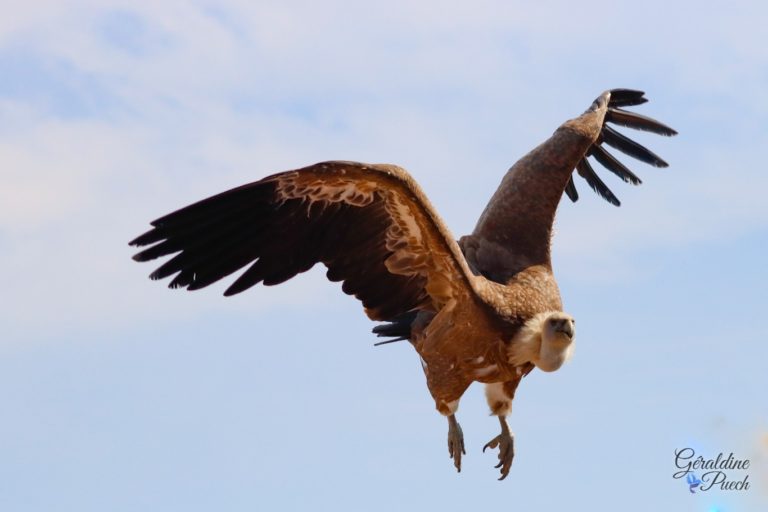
pixel 693 482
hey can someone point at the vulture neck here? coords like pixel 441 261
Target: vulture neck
pixel 518 220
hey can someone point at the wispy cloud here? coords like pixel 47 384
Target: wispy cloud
pixel 114 113
pixel 117 114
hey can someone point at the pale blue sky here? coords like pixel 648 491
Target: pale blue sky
pixel 122 395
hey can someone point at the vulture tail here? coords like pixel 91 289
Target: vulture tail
pixel 398 329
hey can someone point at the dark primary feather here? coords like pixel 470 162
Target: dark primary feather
pixel 615 139
pixel 585 171
pixel 626 98
pixel 638 122
pixel 570 190
pixel 609 162
pixel 631 148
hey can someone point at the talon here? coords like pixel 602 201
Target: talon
pixel 505 443
pixel 491 444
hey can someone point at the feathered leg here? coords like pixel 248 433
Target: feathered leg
pixel 499 396
pixel 447 385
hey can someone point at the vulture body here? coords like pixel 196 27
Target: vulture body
pixel 486 308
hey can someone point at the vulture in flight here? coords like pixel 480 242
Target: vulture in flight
pixel 484 308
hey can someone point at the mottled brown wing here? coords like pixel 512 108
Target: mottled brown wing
pixel 369 224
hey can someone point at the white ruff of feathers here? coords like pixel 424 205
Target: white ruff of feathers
pixel 526 346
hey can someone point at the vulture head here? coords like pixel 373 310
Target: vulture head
pixel 557 334
pixel 546 340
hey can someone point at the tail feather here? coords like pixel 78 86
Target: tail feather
pixel 399 328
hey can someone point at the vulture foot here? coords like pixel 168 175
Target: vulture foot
pixel 505 442
pixel 455 442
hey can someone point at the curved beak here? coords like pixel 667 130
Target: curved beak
pixel 566 327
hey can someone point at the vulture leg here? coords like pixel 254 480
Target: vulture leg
pixel 499 396
pixel 446 385
pixel 455 441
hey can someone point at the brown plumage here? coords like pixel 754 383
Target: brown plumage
pixel 484 309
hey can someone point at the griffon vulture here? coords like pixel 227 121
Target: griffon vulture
pixel 486 308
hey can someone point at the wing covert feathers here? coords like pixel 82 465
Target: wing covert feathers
pixel 618 116
pixel 369 224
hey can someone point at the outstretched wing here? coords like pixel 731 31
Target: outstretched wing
pixel 616 115
pixel 369 224
pixel 514 231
